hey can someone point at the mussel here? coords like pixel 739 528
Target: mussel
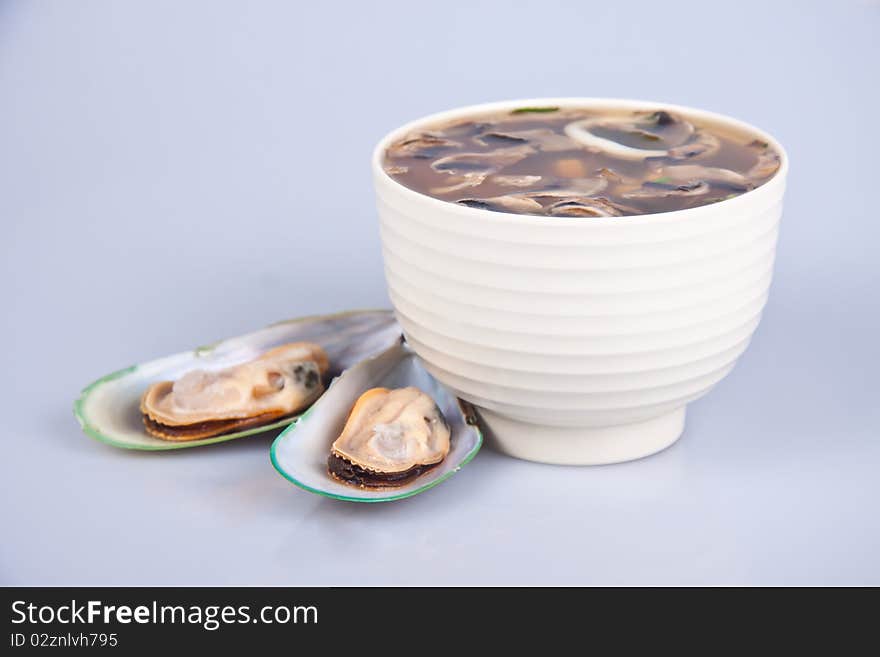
pixel 234 388
pixel 204 403
pixel 395 429
pixel 390 438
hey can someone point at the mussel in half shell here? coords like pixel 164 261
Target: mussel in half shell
pixel 204 403
pixel 384 392
pixel 254 364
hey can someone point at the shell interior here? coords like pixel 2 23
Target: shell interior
pixel 108 409
pixel 300 452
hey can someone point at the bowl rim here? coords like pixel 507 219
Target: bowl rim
pixel 777 181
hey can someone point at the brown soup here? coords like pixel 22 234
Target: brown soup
pixel 566 162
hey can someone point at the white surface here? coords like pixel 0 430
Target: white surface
pixel 167 181
pixel 602 323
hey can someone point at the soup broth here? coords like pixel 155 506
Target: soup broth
pixel 566 162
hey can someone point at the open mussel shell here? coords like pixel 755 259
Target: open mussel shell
pixel 300 452
pixel 108 409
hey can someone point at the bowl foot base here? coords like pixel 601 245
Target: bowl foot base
pixel 582 445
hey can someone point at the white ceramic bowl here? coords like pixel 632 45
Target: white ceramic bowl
pixel 580 340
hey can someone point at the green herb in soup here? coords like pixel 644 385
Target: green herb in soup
pixel 566 162
pixel 534 110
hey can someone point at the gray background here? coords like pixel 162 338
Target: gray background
pixel 172 173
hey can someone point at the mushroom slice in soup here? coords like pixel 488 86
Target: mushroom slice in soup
pixel 703 144
pixel 486 163
pixel 768 161
pixel 394 170
pixel 587 207
pixel 669 127
pixel 424 145
pixel 638 138
pixel 466 129
pixel 544 139
pixel 499 138
pixel 516 203
pixel 687 173
pixel 580 131
pixel 515 181
pixel 460 182
pixel 569 188
pixel 613 176
pixel 653 189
